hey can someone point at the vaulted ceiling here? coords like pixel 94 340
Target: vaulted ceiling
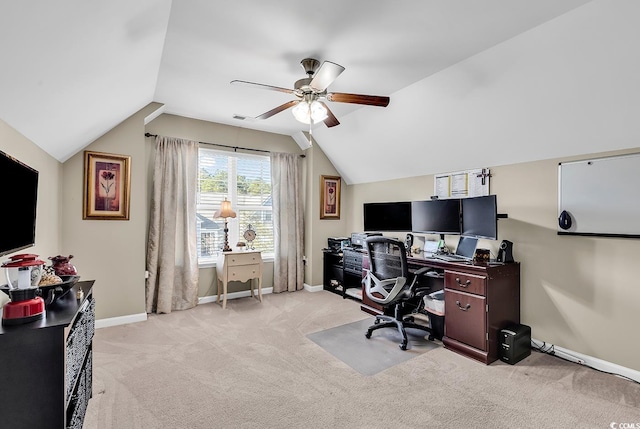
pixel 73 69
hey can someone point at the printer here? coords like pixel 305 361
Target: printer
pixel 358 238
pixel 338 243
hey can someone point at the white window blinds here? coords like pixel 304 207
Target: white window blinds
pixel 245 180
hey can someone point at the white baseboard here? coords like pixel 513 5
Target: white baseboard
pixel 591 361
pixel 233 295
pixel 310 288
pixel 121 320
pixel 133 318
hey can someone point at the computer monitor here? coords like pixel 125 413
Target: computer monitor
pixel 394 216
pixel 436 216
pixel 480 217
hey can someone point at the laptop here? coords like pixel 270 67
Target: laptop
pixel 464 252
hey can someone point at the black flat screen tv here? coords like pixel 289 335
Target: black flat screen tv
pixel 20 193
pixel 387 216
pixel 436 216
pixel 480 217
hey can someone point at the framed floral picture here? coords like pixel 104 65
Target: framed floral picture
pixel 329 197
pixel 107 186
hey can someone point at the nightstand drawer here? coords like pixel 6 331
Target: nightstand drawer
pixel 465 282
pixel 243 259
pixel 242 272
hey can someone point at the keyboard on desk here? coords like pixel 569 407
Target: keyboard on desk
pixel 451 258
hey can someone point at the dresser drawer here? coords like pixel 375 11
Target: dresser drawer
pixel 466 318
pixel 243 259
pixel 465 282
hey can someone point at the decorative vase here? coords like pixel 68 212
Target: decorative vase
pixel 62 266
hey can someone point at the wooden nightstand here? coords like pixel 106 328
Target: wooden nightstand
pixel 241 267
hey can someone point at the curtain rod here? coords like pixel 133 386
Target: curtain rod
pixel 235 148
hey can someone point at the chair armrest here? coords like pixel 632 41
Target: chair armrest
pixel 420 292
pixel 375 285
pixel 421 271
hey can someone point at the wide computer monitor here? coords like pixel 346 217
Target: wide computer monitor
pixel 436 216
pixel 480 217
pixel 394 216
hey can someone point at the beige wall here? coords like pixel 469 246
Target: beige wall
pixel 317 230
pixel 48 212
pixel 192 129
pixel 112 252
pixel 579 293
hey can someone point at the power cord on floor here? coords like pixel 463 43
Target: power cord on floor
pixel 550 350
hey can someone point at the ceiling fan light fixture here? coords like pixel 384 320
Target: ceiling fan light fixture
pixel 305 112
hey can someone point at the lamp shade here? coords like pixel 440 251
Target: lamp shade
pixel 225 210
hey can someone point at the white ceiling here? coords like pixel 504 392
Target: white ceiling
pixel 73 69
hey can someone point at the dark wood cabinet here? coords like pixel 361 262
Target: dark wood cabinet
pixel 479 301
pixel 468 326
pixel 332 276
pixel 342 272
pixel 46 371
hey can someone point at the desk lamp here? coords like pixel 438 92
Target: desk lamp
pixel 225 212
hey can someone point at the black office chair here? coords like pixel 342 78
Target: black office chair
pixel 387 283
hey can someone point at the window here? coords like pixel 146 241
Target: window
pixel 243 179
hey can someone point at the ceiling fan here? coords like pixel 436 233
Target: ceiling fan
pixel 310 92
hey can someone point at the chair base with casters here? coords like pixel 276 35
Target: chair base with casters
pixel 386 283
pixel 401 323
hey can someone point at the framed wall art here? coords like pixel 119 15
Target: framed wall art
pixel 329 197
pixel 107 186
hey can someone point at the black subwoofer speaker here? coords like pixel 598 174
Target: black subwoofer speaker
pixel 505 254
pixel 515 343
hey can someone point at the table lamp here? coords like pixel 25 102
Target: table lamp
pixel 225 212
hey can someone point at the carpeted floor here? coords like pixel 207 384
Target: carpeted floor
pixel 253 366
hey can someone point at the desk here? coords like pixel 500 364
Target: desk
pixel 241 267
pixel 479 299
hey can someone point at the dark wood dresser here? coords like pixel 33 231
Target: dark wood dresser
pixel 46 370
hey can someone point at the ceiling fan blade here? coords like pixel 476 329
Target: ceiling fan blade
pixel 326 74
pixel 278 109
pixel 330 120
pixel 370 100
pixel 261 86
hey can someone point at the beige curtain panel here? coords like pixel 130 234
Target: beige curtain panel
pixel 288 226
pixel 172 259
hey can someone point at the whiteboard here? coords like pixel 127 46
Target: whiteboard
pixel 601 195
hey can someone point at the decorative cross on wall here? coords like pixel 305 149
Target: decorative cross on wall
pixel 484 174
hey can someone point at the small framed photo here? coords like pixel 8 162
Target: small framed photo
pixel 107 186
pixel 329 197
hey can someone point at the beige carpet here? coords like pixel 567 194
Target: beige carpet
pixel 252 366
